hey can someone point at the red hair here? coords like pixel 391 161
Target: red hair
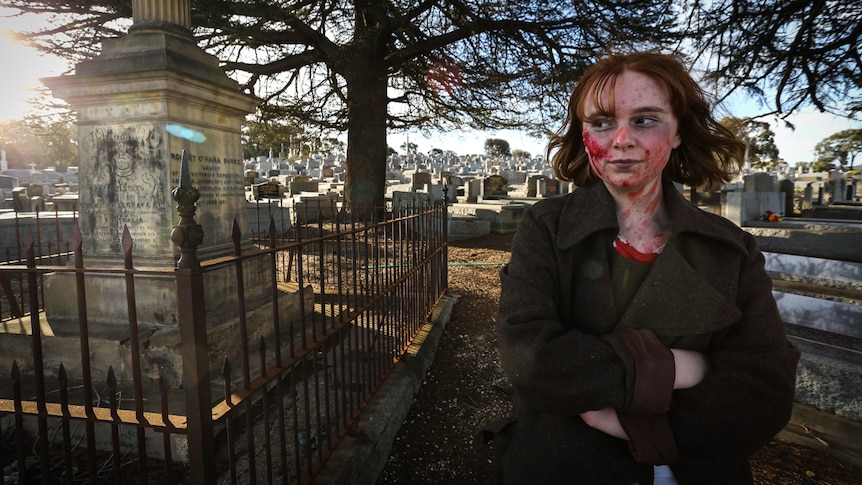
pixel 709 153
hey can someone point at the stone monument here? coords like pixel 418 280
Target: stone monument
pixel 4 165
pixel 149 98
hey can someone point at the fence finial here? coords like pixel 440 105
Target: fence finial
pixel 187 234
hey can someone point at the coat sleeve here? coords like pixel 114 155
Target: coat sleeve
pixel 747 396
pixel 554 367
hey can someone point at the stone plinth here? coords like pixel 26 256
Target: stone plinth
pixel 467 228
pixel 147 98
pixel 160 342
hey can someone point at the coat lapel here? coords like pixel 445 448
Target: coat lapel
pixel 675 300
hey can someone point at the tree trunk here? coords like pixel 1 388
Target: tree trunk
pixel 365 185
pixel 367 100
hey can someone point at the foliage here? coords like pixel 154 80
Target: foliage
pixel 44 141
pixel 368 66
pixel 841 148
pixel 521 154
pixel 785 54
pixel 759 139
pixel 496 147
pixel 266 133
pixel 409 147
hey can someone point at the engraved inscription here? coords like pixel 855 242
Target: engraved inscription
pixel 124 184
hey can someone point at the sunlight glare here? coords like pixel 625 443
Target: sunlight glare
pixel 20 70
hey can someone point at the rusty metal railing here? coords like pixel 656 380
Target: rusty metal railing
pixel 261 385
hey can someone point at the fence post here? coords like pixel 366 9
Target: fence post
pixel 187 235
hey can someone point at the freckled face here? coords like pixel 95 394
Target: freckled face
pixel 629 142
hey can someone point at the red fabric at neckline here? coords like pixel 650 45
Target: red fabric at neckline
pixel 628 251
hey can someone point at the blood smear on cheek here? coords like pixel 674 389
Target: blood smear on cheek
pixel 596 151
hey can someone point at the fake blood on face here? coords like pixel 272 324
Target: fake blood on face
pixel 595 151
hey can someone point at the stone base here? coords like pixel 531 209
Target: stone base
pixel 502 215
pixel 109 343
pixel 466 228
pixel 829 376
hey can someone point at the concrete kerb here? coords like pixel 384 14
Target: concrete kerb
pixel 360 458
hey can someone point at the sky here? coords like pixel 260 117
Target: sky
pixel 22 67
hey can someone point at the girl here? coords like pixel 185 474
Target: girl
pixel 639 333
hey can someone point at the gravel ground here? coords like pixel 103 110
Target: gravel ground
pixel 438 442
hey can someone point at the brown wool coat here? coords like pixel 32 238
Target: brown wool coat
pixel 708 291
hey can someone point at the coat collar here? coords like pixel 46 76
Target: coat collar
pixel 590 209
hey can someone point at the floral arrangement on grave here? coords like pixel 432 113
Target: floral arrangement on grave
pixel 770 216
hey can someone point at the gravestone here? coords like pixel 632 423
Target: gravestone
pixel 494 187
pixel 759 195
pixel 534 185
pixel 302 184
pixel 20 199
pixel 759 182
pixel 402 201
pixel 268 190
pixel 836 185
pixel 472 191
pixel 787 188
pixel 421 179
pixel 552 187
pixel 7 182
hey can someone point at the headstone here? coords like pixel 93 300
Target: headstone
pixel 759 182
pixel 20 199
pixel 535 184
pixel 7 182
pixel 268 190
pixel 420 179
pixel 472 191
pixel 151 98
pixel 34 190
pixel 744 206
pixel 4 165
pixel 552 187
pixel 787 188
pixel 302 184
pixel 836 186
pixel 808 196
pixel 410 200
pixel 494 186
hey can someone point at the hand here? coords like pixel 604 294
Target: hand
pixel 691 368
pixel 606 421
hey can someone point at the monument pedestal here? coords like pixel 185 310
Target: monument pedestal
pixel 150 98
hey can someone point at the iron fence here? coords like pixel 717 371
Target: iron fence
pixel 259 387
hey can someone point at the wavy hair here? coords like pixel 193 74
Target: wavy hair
pixel 709 154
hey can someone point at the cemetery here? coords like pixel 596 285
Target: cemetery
pixel 811 250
